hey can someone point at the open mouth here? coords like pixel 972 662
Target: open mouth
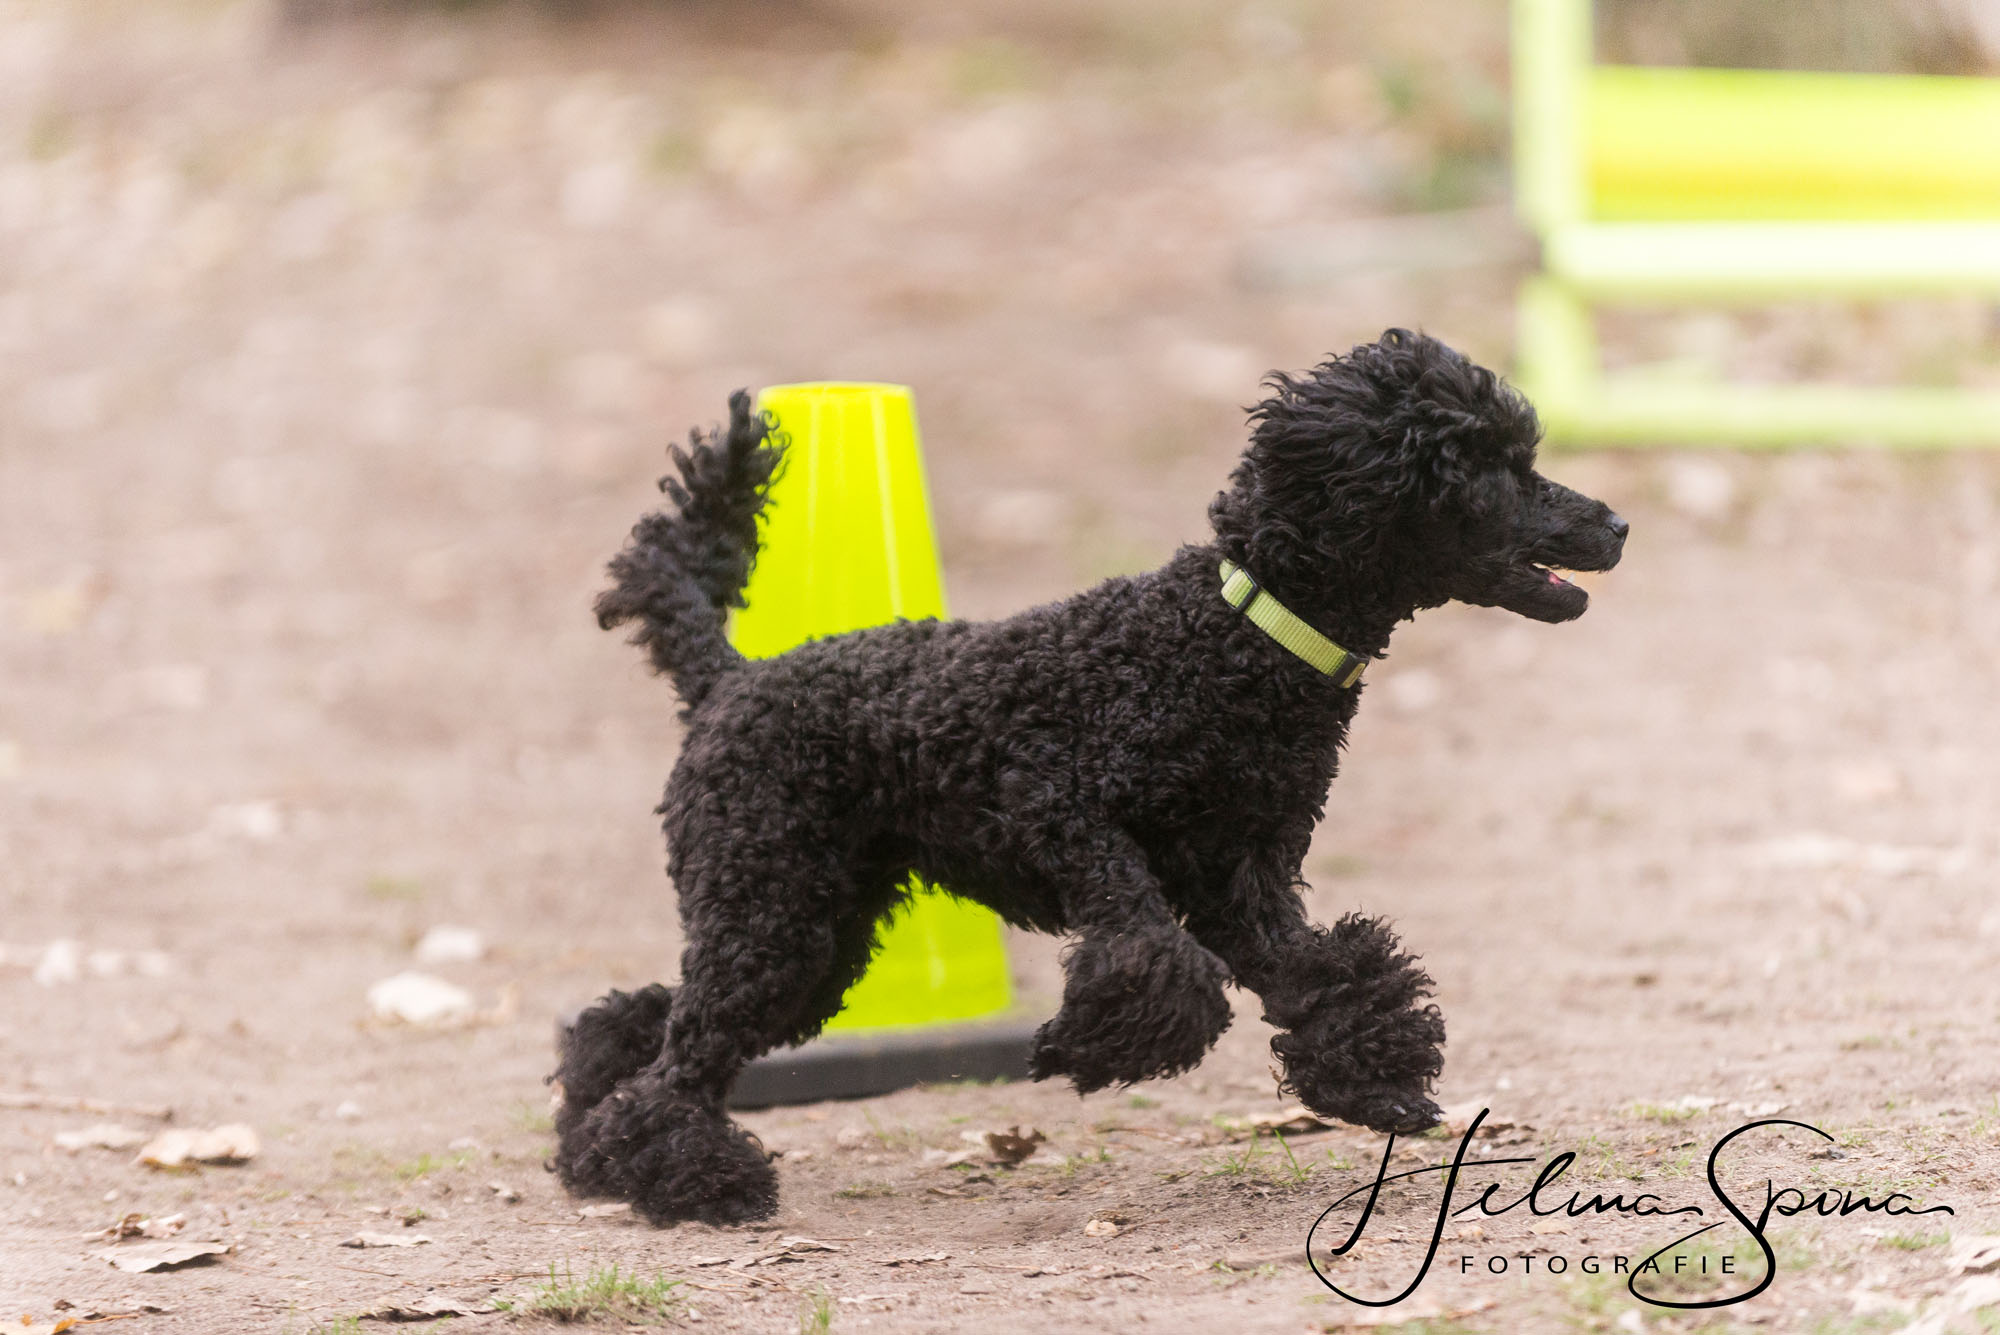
pixel 1543 592
pixel 1553 574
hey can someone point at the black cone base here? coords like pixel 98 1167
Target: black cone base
pixel 859 1066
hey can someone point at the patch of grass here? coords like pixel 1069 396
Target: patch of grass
pixel 395 889
pixel 604 1292
pixel 673 152
pixel 1231 1276
pixel 1917 1241
pixel 1141 1102
pixel 1595 1302
pixel 1297 1171
pixel 902 1138
pixel 865 1191
pixel 1694 1271
pixel 534 1118
pixel 1868 1043
pixel 993 66
pixel 1600 1161
pixel 50 135
pixel 1679 1165
pixel 425 1164
pixel 1237 1163
pixel 816 1312
pixel 1664 1113
pixel 340 1325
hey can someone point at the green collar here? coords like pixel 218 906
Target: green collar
pixel 1267 614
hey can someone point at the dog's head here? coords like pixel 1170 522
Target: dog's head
pixel 1403 476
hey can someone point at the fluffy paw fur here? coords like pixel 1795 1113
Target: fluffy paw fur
pixel 616 1038
pixel 1135 1006
pixel 1358 1045
pixel 673 1159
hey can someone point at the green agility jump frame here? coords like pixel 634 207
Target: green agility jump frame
pixel 1715 186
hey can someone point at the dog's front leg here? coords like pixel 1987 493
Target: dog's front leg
pixel 1141 998
pixel 1356 1038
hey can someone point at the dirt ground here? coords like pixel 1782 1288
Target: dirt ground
pixel 335 360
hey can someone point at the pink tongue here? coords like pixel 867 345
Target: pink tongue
pixel 1554 578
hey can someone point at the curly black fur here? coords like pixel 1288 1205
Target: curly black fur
pixel 606 1043
pixel 1137 766
pixel 681 573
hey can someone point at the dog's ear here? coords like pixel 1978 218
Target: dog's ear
pixel 1459 420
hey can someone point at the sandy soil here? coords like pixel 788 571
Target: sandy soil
pixel 337 361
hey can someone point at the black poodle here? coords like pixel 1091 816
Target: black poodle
pixel 1139 766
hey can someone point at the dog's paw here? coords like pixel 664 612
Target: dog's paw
pixel 1385 1108
pixel 675 1161
pixel 1134 1008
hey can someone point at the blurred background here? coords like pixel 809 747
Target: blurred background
pixel 339 343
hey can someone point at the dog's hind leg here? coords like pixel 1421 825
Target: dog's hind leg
pixel 771 952
pixel 1141 998
pixel 1357 1041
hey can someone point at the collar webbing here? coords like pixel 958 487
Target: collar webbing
pixel 1267 614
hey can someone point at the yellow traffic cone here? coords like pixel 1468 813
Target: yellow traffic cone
pixel 847 544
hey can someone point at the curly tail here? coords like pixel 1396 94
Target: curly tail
pixel 681 572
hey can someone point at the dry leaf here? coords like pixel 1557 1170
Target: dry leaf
pixel 103 1136
pixel 506 1193
pixel 234 1143
pixel 428 1308
pixel 788 1249
pixel 1548 1226
pixel 386 1240
pixel 605 1211
pixel 147 1257
pixel 925 1259
pixel 1458 1117
pixel 1297 1120
pixel 1100 1228
pixel 1010 1147
pixel 135 1225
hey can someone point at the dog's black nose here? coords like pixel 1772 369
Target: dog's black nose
pixel 1618 525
